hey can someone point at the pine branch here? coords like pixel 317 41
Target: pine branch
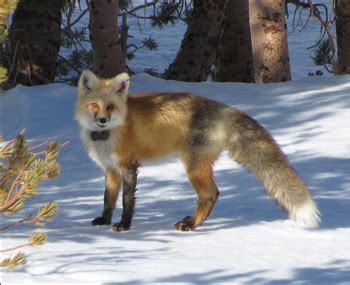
pixel 42 217
pixel 13 186
pixel 10 226
pixel 13 262
pixel 38 145
pixel 35 239
pixel 23 166
pixel 45 213
pixel 16 247
pixel 143 6
pixel 70 25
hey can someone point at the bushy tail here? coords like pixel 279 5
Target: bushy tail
pixel 250 145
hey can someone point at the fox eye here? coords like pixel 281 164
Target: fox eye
pixel 110 107
pixel 94 107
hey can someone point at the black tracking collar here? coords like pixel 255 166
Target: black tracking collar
pixel 99 136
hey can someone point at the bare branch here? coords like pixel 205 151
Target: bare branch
pixel 315 12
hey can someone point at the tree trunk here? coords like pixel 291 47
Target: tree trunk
pixel 269 41
pixel 35 38
pixel 104 35
pixel 235 59
pixel 342 14
pixel 197 52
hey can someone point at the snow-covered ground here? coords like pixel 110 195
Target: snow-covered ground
pixel 247 239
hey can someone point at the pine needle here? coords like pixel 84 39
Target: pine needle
pixel 36 239
pixel 12 263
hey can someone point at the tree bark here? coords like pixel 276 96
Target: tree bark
pixel 342 14
pixel 235 58
pixel 104 35
pixel 197 52
pixel 35 38
pixel 269 41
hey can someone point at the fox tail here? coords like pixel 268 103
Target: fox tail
pixel 252 146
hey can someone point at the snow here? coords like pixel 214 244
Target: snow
pixel 246 240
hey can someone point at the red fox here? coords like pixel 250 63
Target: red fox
pixel 120 131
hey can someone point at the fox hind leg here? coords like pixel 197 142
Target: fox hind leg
pixel 202 180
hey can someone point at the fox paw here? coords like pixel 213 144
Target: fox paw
pixel 185 225
pixel 120 227
pixel 99 221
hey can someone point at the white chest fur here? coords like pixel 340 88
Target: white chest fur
pixel 102 151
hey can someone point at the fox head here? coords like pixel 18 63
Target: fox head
pixel 102 103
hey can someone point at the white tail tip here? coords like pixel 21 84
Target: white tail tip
pixel 306 216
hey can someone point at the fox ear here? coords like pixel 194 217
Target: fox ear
pixel 88 80
pixel 121 83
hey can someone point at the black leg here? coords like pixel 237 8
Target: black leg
pixel 129 174
pixel 110 197
pixel 107 213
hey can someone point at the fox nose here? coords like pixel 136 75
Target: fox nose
pixel 103 121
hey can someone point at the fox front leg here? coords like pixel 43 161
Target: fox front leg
pixel 112 188
pixel 129 178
